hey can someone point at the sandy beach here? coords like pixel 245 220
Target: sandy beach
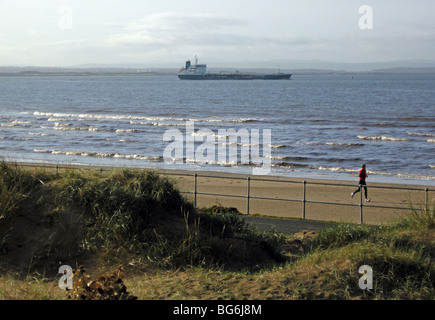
pixel 325 200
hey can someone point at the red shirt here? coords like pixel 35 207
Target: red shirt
pixel 362 175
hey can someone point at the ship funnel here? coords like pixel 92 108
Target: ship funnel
pixel 187 64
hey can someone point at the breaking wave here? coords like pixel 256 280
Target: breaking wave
pixel 68 128
pixel 277 146
pixel 41 134
pixel 331 144
pixel 421 134
pixel 126 130
pixel 381 138
pixel 101 155
pixel 50 116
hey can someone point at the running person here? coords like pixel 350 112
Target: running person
pixel 362 182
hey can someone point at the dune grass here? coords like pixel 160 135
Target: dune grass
pixel 401 256
pixel 171 251
pixel 114 216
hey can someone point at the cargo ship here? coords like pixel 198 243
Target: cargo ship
pixel 199 72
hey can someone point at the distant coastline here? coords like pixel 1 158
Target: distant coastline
pixel 114 71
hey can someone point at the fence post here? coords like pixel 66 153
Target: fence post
pixel 361 203
pixel 194 201
pixel 426 200
pixel 248 195
pixel 304 200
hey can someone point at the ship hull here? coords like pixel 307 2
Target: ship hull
pixel 210 76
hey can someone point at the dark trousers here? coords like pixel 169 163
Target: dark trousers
pixel 361 184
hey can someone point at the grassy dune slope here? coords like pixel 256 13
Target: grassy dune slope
pixel 169 250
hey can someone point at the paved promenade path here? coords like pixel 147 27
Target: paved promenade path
pixel 285 226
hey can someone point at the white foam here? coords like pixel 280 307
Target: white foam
pixel 95 129
pixel 157 124
pixel 21 122
pixel 338 169
pixel 64 128
pixel 211 134
pixel 68 128
pixel 40 134
pixel 370 172
pixel 381 138
pixel 343 144
pixel 421 134
pixel 52 116
pixel 60 124
pixel 100 154
pixel 277 146
pixel 126 130
pixel 277 157
pixel 56 116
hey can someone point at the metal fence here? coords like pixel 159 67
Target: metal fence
pixel 303 200
pixel 249 197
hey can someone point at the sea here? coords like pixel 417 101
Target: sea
pixel 312 126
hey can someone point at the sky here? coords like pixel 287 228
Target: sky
pixel 165 33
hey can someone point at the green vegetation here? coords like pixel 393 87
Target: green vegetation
pixel 169 250
pixel 400 255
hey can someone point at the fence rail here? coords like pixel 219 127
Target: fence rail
pixel 303 200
